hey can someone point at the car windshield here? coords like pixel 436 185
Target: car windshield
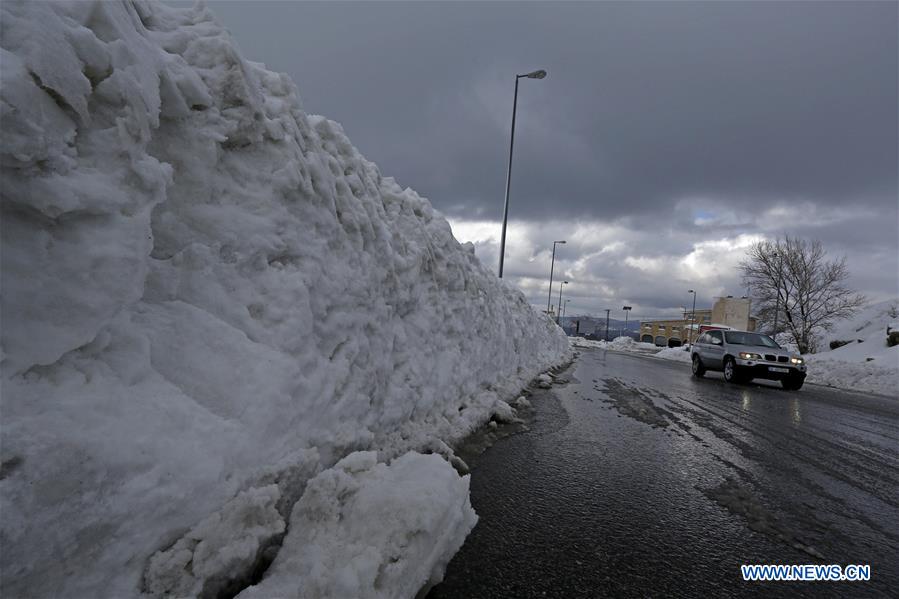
pixel 740 338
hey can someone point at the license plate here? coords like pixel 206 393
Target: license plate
pixel 776 369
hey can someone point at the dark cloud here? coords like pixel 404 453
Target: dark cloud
pixel 644 102
pixel 685 121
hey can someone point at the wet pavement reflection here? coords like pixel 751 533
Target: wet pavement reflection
pixel 636 480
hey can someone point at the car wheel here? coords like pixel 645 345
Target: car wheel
pixel 698 368
pixel 792 383
pixel 730 371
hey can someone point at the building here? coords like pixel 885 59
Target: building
pixel 733 312
pixel 728 311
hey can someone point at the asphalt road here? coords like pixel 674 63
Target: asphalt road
pixel 636 480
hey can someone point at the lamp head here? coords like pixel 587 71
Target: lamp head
pixel 535 75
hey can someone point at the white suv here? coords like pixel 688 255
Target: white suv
pixel 744 355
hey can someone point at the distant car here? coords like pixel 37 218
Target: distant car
pixel 744 355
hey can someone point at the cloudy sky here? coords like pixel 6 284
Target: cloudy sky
pixel 665 139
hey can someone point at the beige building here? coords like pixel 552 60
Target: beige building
pixel 728 311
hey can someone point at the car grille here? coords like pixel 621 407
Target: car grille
pixel 771 357
pixel 781 358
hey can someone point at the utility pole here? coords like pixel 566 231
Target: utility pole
pixel 607 323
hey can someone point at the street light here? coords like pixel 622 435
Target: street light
pixel 565 305
pixel 626 309
pixel 502 241
pixel 692 319
pixel 560 299
pixel 607 323
pixel 552 265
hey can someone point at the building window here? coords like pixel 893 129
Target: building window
pixel 661 327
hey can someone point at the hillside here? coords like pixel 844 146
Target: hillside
pixel 865 362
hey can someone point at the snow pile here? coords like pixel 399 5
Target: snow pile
pixel 864 335
pixel 617 344
pixel 365 529
pixel 855 376
pixel 676 354
pixel 866 362
pixel 209 297
pixel 232 540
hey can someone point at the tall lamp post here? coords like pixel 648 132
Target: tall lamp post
pixel 692 318
pixel 560 300
pixel 502 241
pixel 607 323
pixel 626 309
pixel 552 265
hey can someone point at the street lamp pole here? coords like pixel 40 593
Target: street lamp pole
pixel 607 323
pixel 502 242
pixel 552 265
pixel 560 300
pixel 627 310
pixel 565 305
pixel 692 318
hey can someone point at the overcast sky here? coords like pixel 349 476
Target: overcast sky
pixel 665 139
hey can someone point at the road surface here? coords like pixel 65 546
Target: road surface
pixel 636 480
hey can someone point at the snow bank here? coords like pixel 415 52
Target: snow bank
pixel 676 354
pixel 618 344
pixel 365 529
pixel 208 297
pixel 855 376
pixel 866 362
pixel 865 335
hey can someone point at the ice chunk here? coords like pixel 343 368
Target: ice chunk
pixel 368 530
pixel 221 551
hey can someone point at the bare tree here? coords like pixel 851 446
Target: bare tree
pixel 797 290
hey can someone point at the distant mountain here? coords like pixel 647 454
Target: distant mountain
pixel 592 324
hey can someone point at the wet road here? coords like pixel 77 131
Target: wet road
pixel 636 480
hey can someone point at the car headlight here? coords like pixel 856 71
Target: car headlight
pixel 797 360
pixel 748 356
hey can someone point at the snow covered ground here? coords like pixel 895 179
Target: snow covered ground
pixel 209 298
pixel 864 364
